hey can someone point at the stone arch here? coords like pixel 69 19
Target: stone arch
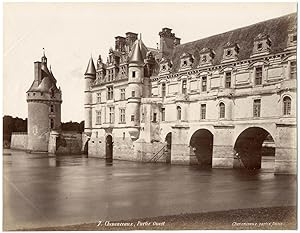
pixel 249 147
pixel 201 147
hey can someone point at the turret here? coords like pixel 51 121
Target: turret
pixel 135 86
pixel 89 77
pixel 44 107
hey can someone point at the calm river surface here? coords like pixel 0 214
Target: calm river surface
pixel 51 191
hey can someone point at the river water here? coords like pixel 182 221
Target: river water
pixel 53 191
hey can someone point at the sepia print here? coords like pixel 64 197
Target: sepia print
pixel 149 116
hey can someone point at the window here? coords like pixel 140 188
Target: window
pixel 179 113
pixel 133 74
pixel 203 111
pixel 111 115
pixel 184 87
pixel 204 83
pixel 227 79
pixel 132 117
pixel 98 117
pixel 110 93
pixel 133 94
pixel 122 115
pixel 163 114
pixel 184 63
pixel 155 117
pixel 287 105
pixel 98 97
pixel 163 90
pixel 123 135
pixel 258 76
pixel 228 52
pixel 259 46
pixel 52 108
pixel 222 110
pixel 143 117
pixel 51 123
pixel 293 38
pixel 122 94
pixel 256 108
pixel 293 69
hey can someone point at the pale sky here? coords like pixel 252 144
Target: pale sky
pixel 71 32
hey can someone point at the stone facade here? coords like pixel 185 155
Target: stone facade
pixel 19 141
pixel 219 98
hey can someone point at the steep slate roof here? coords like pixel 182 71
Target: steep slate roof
pixel 90 68
pixel 276 28
pixel 138 52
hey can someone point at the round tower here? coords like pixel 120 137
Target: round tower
pixel 44 107
pixel 89 77
pixel 135 87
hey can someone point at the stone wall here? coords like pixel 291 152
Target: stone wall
pixel 19 141
pixel 67 143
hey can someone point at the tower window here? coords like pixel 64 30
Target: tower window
pixel 203 111
pixel 293 69
pixel 133 94
pixel 184 87
pixel 179 113
pixel 110 93
pixel 51 123
pixel 123 135
pixel 259 46
pixel 222 110
pixel 204 83
pixel 133 74
pixel 163 90
pixel 228 79
pixel 258 76
pixel 98 117
pixel 256 108
pixel 184 63
pixel 287 105
pixel 132 117
pixel 52 108
pixel 163 114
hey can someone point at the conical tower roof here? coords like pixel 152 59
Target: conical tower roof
pixel 138 52
pixel 90 68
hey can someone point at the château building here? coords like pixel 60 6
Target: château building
pixel 212 102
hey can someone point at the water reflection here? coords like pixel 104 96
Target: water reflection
pixel 65 190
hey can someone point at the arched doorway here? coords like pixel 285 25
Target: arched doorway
pixel 109 148
pixel 168 140
pixel 255 149
pixel 201 144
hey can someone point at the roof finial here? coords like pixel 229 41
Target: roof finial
pixel 44 52
pixel 140 36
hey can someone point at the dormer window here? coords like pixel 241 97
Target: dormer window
pixel 292 38
pixel 228 52
pixel 262 45
pixel 231 51
pixel 165 65
pixel 186 60
pixel 206 56
pixel 259 46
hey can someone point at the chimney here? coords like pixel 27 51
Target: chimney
pixel 120 43
pixel 167 42
pixel 130 39
pixel 37 72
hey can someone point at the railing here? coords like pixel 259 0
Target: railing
pixel 158 155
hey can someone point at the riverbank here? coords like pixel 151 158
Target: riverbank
pixel 273 218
